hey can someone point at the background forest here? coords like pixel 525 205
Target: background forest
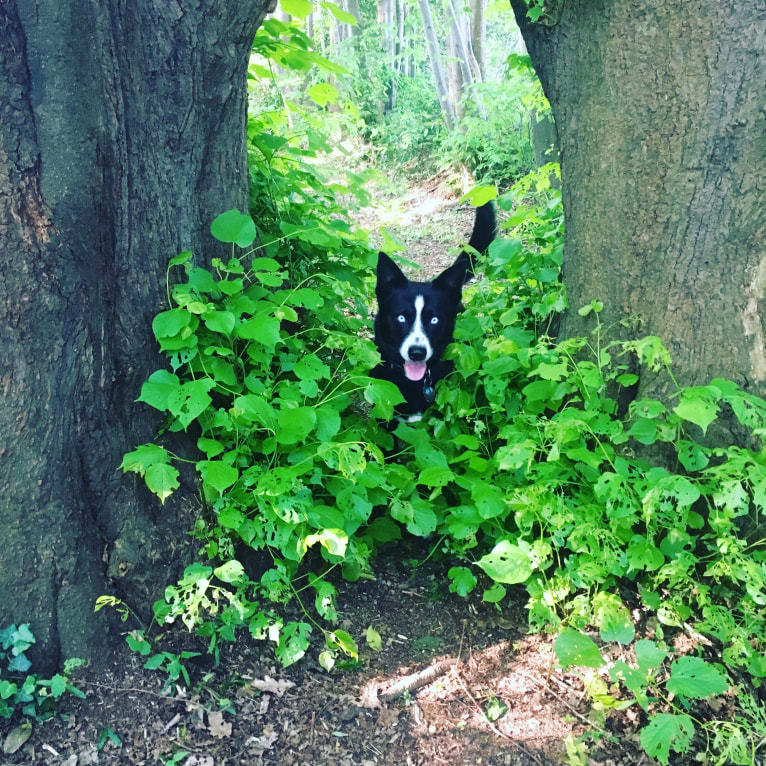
pixel 569 471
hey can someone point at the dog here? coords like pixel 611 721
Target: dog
pixel 415 321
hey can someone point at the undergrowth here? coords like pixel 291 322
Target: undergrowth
pixel 523 474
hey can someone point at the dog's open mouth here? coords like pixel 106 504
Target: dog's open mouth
pixel 415 370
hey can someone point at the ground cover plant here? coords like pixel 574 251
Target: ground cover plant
pixel 526 473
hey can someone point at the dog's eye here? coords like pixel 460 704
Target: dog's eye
pixel 401 318
pixel 434 320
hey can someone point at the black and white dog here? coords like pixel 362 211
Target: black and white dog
pixel 415 321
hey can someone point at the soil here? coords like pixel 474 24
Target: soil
pixel 495 696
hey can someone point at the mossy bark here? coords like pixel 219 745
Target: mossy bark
pixel 662 133
pixel 122 134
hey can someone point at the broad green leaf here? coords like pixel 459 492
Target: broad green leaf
pixel 143 457
pixel 340 639
pixel 334 541
pixel 508 563
pixel 58 685
pixel 373 639
pixel 435 476
pixel 157 390
pixel 326 660
pixel 693 677
pixel 480 195
pixel 463 580
pixel 293 642
pixel 262 328
pixel 169 323
pixel 154 662
pixel 616 623
pixel 699 410
pixel 648 654
pixel 494 594
pixel 233 226
pixel 256 409
pixel 294 425
pixel 311 367
pixel 490 502
pixel 230 571
pixel 219 321
pixel 666 732
pixel 323 93
pixel 575 648
pixel 190 400
pixel 181 258
pixel 384 395
pixel 343 16
pixel 162 479
pixel 299 8
pixel 328 423
pixel 217 475
pixel 416 514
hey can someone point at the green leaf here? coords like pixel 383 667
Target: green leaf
pixel 143 457
pixel 323 93
pixel 494 709
pixel 311 367
pixel 262 328
pixel 16 737
pixel 58 685
pixel 435 476
pixel 384 395
pixel 298 8
pixel 666 732
pixel 256 409
pixel 230 571
pixel 648 654
pixel 575 648
pixel 169 323
pixel 494 594
pixel 693 677
pixel 181 258
pixel 508 563
pixel 162 479
pixel 480 195
pixel 373 639
pixel 294 425
pixel 326 660
pixel 158 389
pixel 334 541
pixel 154 662
pixel 218 475
pixel 340 639
pixel 616 624
pixel 233 226
pixel 219 321
pixel 463 580
pixel 138 644
pixel 343 16
pixel 700 410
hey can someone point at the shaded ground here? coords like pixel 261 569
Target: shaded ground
pixel 303 715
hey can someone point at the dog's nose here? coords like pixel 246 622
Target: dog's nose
pixel 417 353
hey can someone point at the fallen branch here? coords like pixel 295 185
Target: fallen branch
pixel 372 694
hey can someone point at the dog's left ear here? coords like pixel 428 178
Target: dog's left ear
pixel 451 280
pixel 390 276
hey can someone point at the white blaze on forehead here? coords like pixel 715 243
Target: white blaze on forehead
pixel 417 335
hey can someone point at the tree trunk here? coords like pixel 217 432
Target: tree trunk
pixel 122 134
pixel 465 55
pixel 479 34
pixel 662 131
pixel 436 64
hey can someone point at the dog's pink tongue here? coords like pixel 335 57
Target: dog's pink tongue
pixel 415 370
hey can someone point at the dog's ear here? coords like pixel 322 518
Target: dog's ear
pixel 451 280
pixel 390 276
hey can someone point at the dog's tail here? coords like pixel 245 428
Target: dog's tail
pixel 484 230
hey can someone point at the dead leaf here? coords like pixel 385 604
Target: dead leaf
pixel 271 685
pixel 87 756
pixel 264 706
pixel 200 760
pixel 17 736
pixel 259 745
pixel 217 726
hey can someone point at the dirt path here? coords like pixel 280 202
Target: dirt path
pixel 303 715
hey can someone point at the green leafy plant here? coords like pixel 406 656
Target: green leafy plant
pixel 26 692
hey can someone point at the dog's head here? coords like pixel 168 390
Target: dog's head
pixel 415 320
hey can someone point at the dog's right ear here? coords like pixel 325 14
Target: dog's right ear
pixel 390 276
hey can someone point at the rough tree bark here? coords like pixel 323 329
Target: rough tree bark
pixel 662 129
pixel 122 134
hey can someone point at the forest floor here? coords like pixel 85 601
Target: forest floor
pixel 496 696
